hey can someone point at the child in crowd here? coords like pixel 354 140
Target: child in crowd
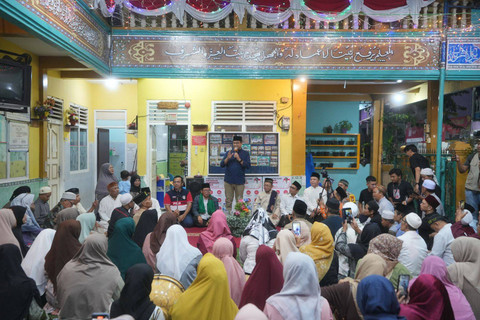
pixel 124 185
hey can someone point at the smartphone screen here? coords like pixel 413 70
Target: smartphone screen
pixel 296 228
pixel 403 281
pixel 100 316
pixel 346 212
pixel 462 204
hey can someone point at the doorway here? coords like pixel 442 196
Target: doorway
pixel 53 167
pixel 111 141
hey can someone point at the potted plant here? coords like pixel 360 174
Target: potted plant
pixel 343 126
pixel 240 218
pixel 71 117
pixel 43 110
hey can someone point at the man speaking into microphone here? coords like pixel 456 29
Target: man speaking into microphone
pixel 236 162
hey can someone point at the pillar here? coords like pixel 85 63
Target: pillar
pixel 299 126
pixel 376 161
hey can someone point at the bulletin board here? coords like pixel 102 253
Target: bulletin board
pixel 263 147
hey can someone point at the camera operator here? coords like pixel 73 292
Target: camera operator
pixel 315 197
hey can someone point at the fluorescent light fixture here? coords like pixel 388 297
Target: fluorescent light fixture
pixel 303 79
pixel 398 98
pixel 111 83
pixel 399 81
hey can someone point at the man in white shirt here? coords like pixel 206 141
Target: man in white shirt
pixel 443 239
pixel 380 195
pixel 428 188
pixel 286 203
pixel 414 248
pixel 312 197
pixel 109 203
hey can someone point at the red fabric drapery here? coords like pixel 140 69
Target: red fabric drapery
pixel 208 5
pixel 322 6
pixel 149 4
pixel 272 6
pixel 384 5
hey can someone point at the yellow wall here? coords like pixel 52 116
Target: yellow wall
pixel 34 132
pixel 201 93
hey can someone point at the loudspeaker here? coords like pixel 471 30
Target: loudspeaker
pixel 194 185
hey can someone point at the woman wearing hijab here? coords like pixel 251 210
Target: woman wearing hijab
pixel 64 246
pixel 34 261
pixel 217 227
pixel 135 184
pixel 20 217
pixel 209 296
pixel 223 250
pixel 284 244
pixel 260 230
pixel 145 225
pixel 436 267
pixel 30 228
pixel 265 280
pixel 154 240
pixel 356 251
pixel 121 248
pixel 428 299
pixel 300 289
pixel 105 177
pixel 250 312
pixel 320 249
pixel 464 272
pixel 7 223
pixel 135 296
pixel 177 258
pixel 17 291
pixel 90 282
pixel 16 193
pixel 342 296
pixel 66 214
pixel 388 247
pixel 88 223
pixel 377 299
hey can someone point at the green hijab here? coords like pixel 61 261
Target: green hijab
pixel 87 222
pixel 122 250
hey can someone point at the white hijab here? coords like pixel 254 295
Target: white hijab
pixel 300 297
pixel 25 200
pixel 34 262
pixel 176 253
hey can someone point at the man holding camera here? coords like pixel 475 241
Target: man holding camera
pixel 315 197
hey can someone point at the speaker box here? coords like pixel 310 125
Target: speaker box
pixel 194 185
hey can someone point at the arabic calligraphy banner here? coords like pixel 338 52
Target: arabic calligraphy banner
pixel 463 54
pixel 276 53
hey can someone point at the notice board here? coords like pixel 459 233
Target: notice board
pixel 262 146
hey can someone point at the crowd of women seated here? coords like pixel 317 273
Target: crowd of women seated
pixel 75 270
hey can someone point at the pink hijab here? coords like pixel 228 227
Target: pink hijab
pixel 223 250
pixel 436 267
pixel 217 227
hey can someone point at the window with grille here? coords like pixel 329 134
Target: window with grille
pixel 56 116
pixel 244 116
pixel 79 140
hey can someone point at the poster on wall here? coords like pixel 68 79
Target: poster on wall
pixel 263 149
pixel 18 136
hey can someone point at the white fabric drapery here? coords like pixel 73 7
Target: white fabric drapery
pixel 297 7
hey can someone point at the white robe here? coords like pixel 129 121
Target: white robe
pixel 414 251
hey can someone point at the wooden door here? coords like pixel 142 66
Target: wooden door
pixel 54 136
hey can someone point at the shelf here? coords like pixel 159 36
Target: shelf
pixel 336 157
pixel 333 145
pixel 333 168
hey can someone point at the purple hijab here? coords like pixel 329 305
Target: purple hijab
pixel 436 266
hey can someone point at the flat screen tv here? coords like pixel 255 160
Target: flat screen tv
pixel 15 85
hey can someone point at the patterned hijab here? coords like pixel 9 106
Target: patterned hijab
pixel 388 247
pixel 321 248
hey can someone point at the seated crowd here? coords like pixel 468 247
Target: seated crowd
pixel 320 256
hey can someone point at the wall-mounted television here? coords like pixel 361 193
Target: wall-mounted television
pixel 15 85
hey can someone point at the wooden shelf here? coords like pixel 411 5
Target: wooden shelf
pixel 334 145
pixel 333 168
pixel 336 157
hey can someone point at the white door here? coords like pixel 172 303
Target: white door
pixel 153 161
pixel 54 138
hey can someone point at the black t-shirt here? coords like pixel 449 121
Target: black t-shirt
pixel 424 231
pixel 399 192
pixel 365 196
pixel 417 160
